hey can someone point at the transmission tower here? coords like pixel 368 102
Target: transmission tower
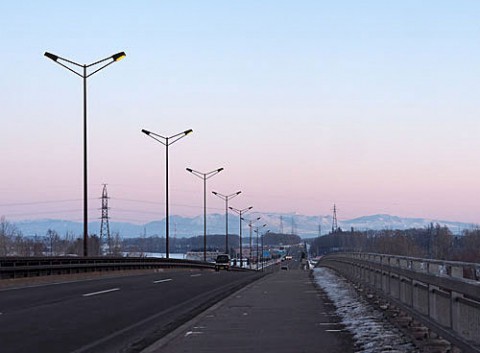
pixel 281 224
pixel 104 224
pixel 334 223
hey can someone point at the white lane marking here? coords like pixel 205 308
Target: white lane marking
pixel 192 333
pixel 333 330
pixel 162 280
pixel 196 275
pixel 101 292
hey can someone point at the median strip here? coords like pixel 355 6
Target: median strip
pixel 162 280
pixel 101 292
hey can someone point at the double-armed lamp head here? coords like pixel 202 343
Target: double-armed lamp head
pixel 115 57
pixel 213 171
pixel 186 132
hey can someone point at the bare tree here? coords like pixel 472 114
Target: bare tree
pixel 7 234
pixel 94 245
pixel 53 240
pixel 38 246
pixel 117 248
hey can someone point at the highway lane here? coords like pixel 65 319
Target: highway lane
pixel 108 315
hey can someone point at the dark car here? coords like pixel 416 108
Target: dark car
pixel 222 262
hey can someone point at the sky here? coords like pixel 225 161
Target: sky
pixel 369 105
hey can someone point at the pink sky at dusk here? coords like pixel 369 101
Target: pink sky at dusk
pixel 305 104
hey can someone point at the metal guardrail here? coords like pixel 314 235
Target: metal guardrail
pixel 443 295
pixel 17 267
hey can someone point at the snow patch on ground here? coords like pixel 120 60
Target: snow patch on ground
pixel 372 333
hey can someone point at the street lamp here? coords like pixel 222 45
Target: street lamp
pixel 167 141
pixel 263 235
pixel 204 176
pixel 250 224
pixel 84 75
pixel 240 212
pixel 226 198
pixel 257 230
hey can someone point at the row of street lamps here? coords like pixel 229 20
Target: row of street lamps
pixel 167 141
pixel 164 140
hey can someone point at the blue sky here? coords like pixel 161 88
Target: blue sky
pixel 371 105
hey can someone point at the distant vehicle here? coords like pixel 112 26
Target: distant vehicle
pixel 222 262
pixel 288 257
pixel 236 262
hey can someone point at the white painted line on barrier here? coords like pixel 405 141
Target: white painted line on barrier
pixel 101 292
pixel 162 280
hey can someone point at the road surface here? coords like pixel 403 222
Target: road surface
pixel 109 314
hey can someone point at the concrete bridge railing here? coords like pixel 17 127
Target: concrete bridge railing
pixel 443 295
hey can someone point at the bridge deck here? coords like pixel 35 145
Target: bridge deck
pixel 283 312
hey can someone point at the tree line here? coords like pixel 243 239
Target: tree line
pixel 434 241
pixel 14 243
pixel 215 242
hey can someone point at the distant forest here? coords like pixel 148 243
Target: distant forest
pixel 214 242
pixel 434 241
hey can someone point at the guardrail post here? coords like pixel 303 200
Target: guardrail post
pixel 420 297
pixel 406 291
pixel 433 268
pixel 440 309
pixel 456 271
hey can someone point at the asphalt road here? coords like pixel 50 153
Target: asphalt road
pixel 121 314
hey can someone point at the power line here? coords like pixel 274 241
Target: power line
pixel 36 203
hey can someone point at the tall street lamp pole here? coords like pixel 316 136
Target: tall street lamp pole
pixel 226 198
pixel 167 141
pixel 84 75
pixel 257 230
pixel 240 212
pixel 250 225
pixel 204 176
pixel 263 235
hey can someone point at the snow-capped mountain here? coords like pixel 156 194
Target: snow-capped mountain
pixel 305 226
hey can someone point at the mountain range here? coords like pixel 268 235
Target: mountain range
pixel 304 226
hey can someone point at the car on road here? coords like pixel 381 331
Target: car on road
pixel 222 262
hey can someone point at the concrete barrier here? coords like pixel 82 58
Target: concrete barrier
pixel 444 296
